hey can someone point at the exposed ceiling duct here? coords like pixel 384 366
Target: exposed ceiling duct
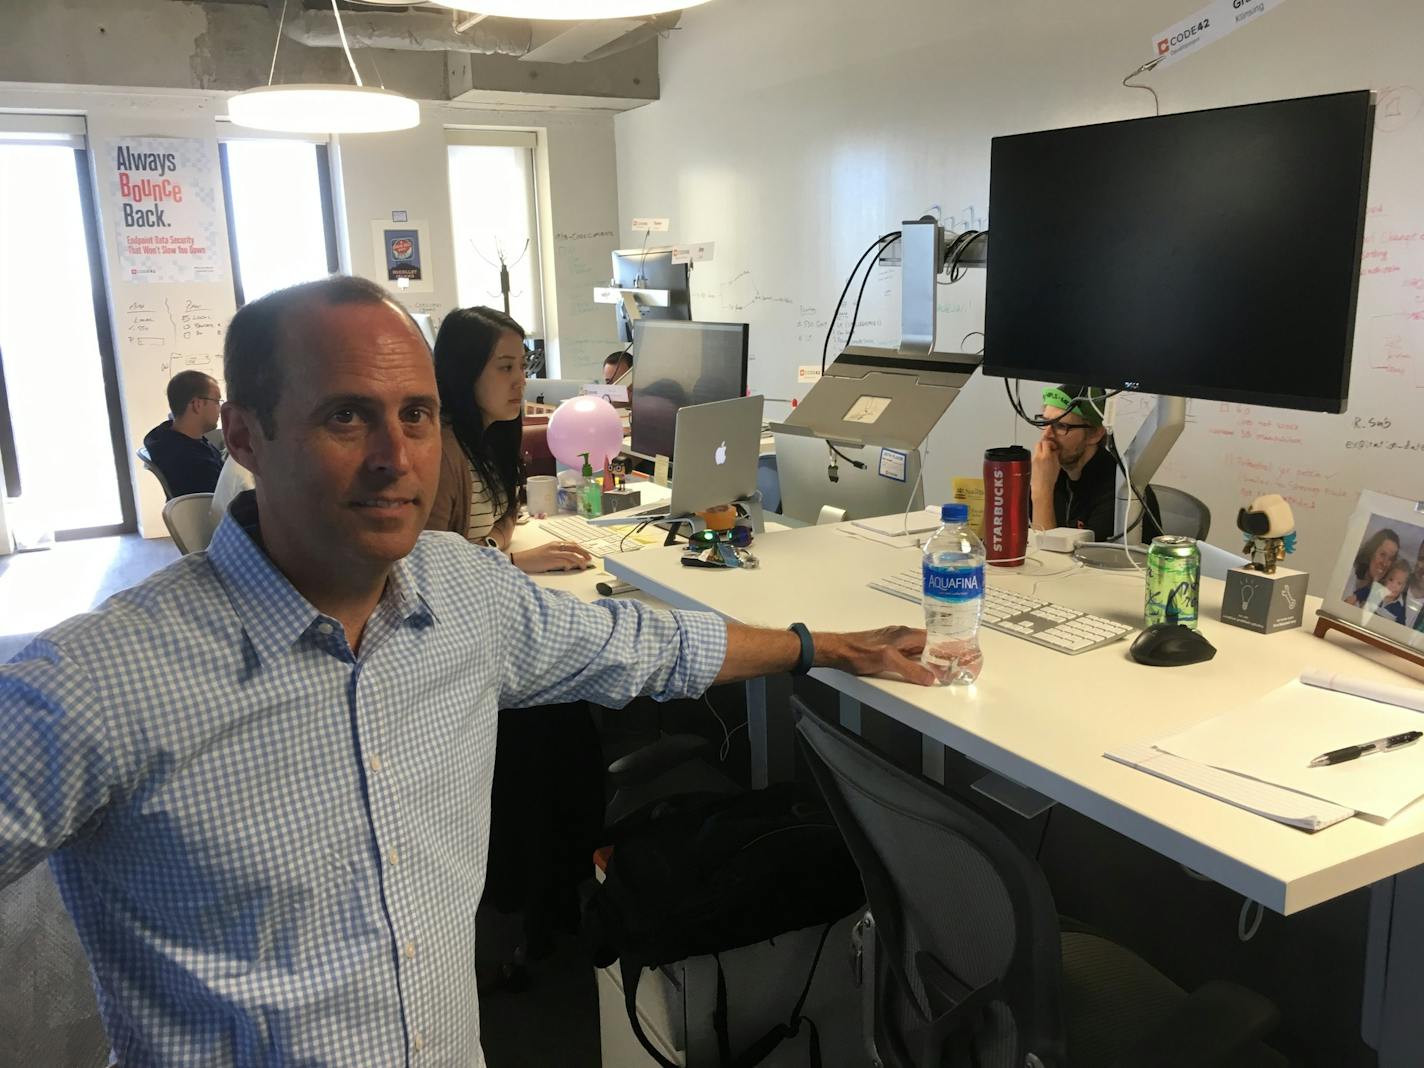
pixel 414 31
pixel 429 30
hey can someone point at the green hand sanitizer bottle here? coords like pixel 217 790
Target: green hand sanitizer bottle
pixel 591 492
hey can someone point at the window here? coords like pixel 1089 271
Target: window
pixel 61 445
pixel 495 221
pixel 280 222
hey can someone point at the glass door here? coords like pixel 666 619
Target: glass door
pixel 61 437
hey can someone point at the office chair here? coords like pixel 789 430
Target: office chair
pixel 147 461
pixel 1181 513
pixel 963 962
pixel 189 521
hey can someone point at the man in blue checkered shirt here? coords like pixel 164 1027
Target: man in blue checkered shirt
pixel 262 776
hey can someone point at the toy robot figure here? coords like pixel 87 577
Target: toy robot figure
pixel 1269 527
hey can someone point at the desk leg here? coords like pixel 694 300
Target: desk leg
pixel 849 709
pixel 1392 1016
pixel 770 730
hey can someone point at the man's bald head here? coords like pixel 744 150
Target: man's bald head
pixel 261 336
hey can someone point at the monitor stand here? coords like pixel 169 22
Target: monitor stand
pixel 747 506
pixel 1149 447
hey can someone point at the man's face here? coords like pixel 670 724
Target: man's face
pixel 1068 435
pixel 613 370
pixel 349 478
pixel 208 406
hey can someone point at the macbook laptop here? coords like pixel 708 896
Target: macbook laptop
pixel 717 447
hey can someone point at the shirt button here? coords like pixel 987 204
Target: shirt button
pixel 409 950
pixel 324 628
pixel 419 1041
pixel 393 857
pixel 375 763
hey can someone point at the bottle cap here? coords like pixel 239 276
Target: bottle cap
pixel 954 513
pixel 587 467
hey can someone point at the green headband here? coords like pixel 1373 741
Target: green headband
pixel 1083 403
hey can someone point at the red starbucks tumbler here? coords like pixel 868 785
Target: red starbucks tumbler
pixel 1006 474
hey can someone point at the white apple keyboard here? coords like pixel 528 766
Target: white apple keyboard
pixel 599 541
pixel 1054 626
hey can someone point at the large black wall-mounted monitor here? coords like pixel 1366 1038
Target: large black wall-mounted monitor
pixel 676 364
pixel 651 269
pixel 1212 254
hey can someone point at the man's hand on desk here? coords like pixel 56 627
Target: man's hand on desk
pixel 753 652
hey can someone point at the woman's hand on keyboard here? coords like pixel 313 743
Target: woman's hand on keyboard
pixel 552 556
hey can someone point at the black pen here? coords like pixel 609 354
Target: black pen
pixel 1380 745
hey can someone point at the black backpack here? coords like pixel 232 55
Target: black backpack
pixel 699 874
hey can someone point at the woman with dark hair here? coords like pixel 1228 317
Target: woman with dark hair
pixel 546 799
pixel 1373 562
pixel 479 370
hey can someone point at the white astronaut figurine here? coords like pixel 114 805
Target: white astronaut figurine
pixel 1269 526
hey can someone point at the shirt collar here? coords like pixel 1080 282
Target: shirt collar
pixel 273 614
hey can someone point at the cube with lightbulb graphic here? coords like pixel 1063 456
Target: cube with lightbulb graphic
pixel 1263 596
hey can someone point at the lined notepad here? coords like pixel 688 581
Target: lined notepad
pixel 1264 799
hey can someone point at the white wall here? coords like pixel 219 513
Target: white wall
pixel 375 174
pixel 791 132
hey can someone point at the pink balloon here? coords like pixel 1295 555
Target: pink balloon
pixel 585 424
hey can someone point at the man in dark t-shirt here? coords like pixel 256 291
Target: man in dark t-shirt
pixel 1073 479
pixel 187 459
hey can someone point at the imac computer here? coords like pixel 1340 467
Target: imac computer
pixel 676 364
pixel 1209 254
pixel 665 285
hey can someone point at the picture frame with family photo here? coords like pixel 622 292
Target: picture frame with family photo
pixel 1377 583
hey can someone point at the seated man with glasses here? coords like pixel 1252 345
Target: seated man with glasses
pixel 1073 482
pixel 187 459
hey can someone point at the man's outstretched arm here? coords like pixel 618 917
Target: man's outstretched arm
pixel 754 651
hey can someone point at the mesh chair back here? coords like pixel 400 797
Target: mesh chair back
pixel 942 880
pixel 1181 513
pixel 189 520
pixel 147 461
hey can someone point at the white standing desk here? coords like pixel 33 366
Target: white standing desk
pixel 1044 719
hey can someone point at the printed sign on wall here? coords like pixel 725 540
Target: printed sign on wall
pixel 165 199
pixel 402 255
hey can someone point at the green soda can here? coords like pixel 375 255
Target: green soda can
pixel 1173 580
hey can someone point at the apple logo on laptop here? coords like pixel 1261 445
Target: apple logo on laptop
pixel 721 454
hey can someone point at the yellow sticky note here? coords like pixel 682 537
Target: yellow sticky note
pixel 970 491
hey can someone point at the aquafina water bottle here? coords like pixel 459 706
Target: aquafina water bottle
pixel 953 573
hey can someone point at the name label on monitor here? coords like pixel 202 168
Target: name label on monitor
pixel 694 253
pixel 867 409
pixel 893 464
pixel 1211 23
pixel 610 393
pixel 808 372
pixel 644 226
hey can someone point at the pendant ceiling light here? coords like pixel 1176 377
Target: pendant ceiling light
pixel 568 9
pixel 332 108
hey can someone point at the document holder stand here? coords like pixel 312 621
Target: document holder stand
pixel 874 396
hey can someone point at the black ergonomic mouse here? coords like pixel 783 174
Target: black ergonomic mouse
pixel 1171 645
